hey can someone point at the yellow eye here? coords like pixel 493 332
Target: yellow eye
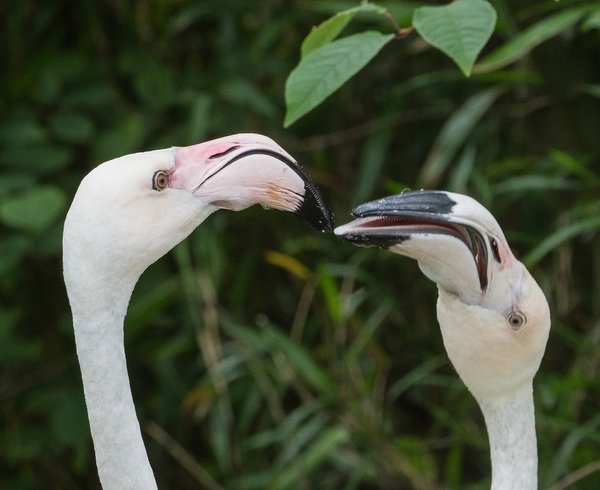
pixel 160 180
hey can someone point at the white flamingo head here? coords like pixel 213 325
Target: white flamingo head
pixel 130 211
pixel 494 317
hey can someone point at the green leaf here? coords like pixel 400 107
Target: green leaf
pixel 372 164
pixel 322 72
pixel 531 183
pixel 242 93
pixel 34 210
pixel 459 29
pixel 592 22
pixel 574 166
pixel 422 461
pixel 328 30
pixel 302 437
pixel 591 89
pixel 144 307
pixel 401 11
pixel 331 294
pixel 524 42
pixel 416 375
pixel 268 339
pixel 560 236
pixel 219 434
pixel 458 179
pixel 454 134
pixel 299 358
pixel 325 447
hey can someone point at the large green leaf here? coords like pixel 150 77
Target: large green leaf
pixel 328 30
pixel 524 42
pixel 34 210
pixel 325 32
pixel 322 72
pixel 459 29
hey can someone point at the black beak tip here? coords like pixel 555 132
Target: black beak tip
pixel 437 203
pixel 371 208
pixel 314 210
pixel 379 240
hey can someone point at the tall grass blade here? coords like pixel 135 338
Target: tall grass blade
pixel 524 42
pixel 591 224
pixel 453 135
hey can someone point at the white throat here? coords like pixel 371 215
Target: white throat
pixel 510 422
pixel 120 453
pixel 497 365
pixel 103 257
pixel 99 297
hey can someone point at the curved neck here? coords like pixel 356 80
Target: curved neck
pixel 98 315
pixel 510 422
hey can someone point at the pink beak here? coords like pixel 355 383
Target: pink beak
pixel 237 171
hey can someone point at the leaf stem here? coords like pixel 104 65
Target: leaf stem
pixel 401 33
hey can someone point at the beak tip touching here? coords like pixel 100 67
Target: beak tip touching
pixel 314 211
pixel 269 176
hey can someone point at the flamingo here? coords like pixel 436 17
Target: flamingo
pixel 126 214
pixel 493 316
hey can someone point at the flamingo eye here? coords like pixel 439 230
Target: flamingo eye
pixel 160 180
pixel 494 245
pixel 516 319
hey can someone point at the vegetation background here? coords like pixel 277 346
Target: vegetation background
pixel 262 354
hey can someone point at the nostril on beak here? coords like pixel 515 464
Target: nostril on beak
pixel 223 153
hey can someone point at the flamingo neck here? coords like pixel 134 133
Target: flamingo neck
pixel 510 422
pixel 98 316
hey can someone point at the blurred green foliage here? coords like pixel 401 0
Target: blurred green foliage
pixel 262 354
